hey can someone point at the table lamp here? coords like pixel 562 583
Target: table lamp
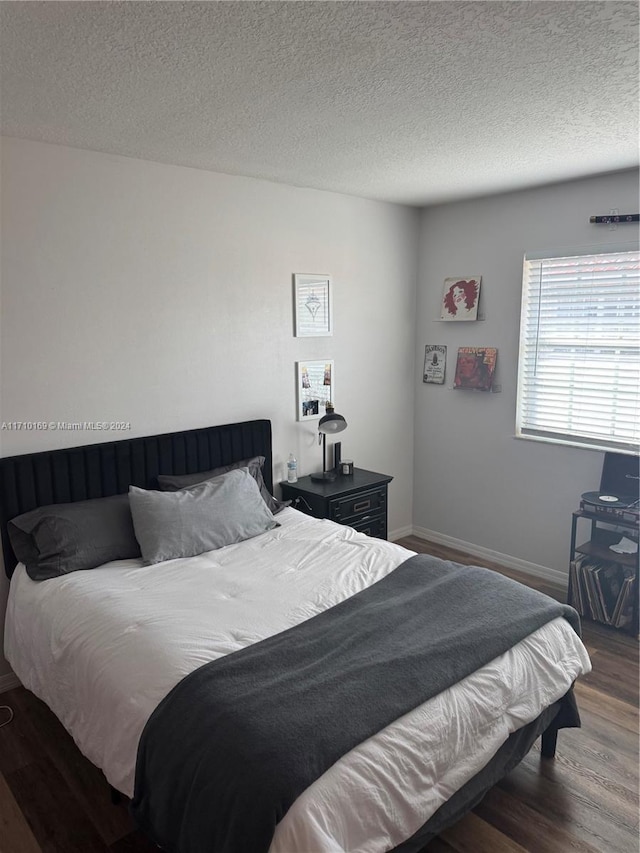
pixel 328 425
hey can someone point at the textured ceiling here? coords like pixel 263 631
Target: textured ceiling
pixel 413 102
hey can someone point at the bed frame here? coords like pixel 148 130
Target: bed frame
pixel 102 470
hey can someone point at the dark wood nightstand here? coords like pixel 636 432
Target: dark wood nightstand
pixel 358 500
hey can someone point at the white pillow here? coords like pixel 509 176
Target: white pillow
pixel 209 515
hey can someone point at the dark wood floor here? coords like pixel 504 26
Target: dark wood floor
pixel 52 800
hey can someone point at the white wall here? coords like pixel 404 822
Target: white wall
pixel 162 296
pixel 474 482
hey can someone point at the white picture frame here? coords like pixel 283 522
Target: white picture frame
pixel 315 387
pixel 313 305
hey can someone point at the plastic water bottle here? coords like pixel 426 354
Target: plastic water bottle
pixel 292 469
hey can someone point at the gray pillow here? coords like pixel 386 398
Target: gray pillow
pixel 200 518
pixel 55 540
pixel 173 482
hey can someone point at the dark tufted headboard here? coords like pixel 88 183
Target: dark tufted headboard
pixel 101 470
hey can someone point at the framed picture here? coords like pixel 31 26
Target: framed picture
pixel 460 298
pixel 313 305
pixel 435 364
pixel 315 388
pixel 475 367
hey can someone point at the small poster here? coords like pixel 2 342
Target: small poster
pixel 435 363
pixel 460 298
pixel 475 367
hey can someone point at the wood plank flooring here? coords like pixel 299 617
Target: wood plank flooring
pixel 52 800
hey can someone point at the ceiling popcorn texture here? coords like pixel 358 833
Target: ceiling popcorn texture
pixel 410 102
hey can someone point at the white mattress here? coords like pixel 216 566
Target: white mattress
pixel 102 648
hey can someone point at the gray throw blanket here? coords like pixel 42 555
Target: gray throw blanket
pixel 230 748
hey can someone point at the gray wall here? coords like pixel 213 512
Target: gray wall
pixel 162 296
pixel 474 482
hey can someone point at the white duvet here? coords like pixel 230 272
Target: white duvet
pixel 103 647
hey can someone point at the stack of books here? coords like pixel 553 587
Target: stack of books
pixel 603 591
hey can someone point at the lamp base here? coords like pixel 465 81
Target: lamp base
pixel 324 477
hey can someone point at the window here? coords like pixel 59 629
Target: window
pixel 579 366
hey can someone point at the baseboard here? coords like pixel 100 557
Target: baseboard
pixel 394 535
pixel 8 682
pixel 552 575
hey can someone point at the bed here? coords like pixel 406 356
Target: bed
pixel 106 648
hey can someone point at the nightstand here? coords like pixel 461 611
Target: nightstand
pixel 358 500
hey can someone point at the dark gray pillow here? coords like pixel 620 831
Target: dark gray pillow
pixel 173 482
pixel 55 540
pixel 209 515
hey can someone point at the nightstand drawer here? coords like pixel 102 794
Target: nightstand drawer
pixel 375 525
pixel 350 509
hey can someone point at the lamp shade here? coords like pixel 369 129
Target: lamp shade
pixel 332 423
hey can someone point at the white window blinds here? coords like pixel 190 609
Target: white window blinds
pixel 579 366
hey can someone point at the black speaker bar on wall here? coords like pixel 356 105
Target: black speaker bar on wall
pixel 615 218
